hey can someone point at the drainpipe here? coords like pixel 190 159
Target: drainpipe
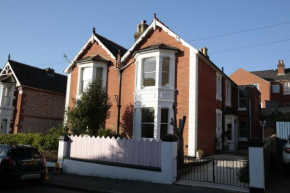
pixel 223 116
pixel 250 117
pixel 119 101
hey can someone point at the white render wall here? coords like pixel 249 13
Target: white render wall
pixel 167 175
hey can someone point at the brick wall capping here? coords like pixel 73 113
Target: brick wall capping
pixel 256 142
pixel 169 138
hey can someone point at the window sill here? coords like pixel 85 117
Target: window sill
pixel 243 139
pixel 242 109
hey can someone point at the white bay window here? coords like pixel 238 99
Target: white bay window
pixel 154 93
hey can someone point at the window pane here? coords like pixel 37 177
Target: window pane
pixel 165 79
pixel 7 96
pixel 275 88
pixel 243 129
pixel 242 93
pixel 147 115
pixel 149 79
pixel 243 103
pixel 147 131
pixel 3 126
pixel 165 64
pixel 229 135
pixel 100 73
pixel 149 65
pixel 163 129
pixel 287 87
pixel 164 115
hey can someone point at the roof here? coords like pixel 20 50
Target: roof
pixel 272 75
pixel 157 47
pixel 38 78
pixel 96 57
pixel 110 45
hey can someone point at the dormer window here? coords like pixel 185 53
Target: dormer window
pixel 91 68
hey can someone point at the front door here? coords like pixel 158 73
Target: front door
pixel 231 139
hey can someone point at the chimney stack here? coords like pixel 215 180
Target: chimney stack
pixel 49 71
pixel 140 29
pixel 281 67
pixel 203 50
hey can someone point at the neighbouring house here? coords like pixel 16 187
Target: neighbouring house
pixel 31 99
pixel 274 85
pixel 161 69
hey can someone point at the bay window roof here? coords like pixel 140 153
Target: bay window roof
pixel 156 47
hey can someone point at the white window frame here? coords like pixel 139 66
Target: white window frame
pixel 228 94
pixel 10 95
pixel 5 130
pixel 256 85
pixel 286 88
pixel 94 66
pixel 218 87
pixel 275 88
pixel 158 55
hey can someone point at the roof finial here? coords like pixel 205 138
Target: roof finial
pixel 8 56
pixel 154 15
pixel 94 30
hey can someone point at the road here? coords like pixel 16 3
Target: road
pixel 30 188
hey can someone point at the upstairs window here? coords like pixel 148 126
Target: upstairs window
pixel 147 123
pixel 7 96
pixel 242 99
pixel 275 88
pixel 99 73
pixel 86 78
pixel 165 71
pixel 228 90
pixel 286 87
pixel 219 87
pixel 149 72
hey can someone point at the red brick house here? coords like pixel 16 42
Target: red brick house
pixel 31 99
pixel 158 70
pixel 274 85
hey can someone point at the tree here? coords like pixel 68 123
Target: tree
pixel 90 112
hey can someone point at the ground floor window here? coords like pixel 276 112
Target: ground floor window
pixel 229 129
pixel 243 129
pixel 147 123
pixel 164 122
pixel 3 126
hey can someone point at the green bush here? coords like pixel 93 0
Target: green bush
pixel 46 143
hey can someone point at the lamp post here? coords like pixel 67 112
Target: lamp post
pixel 263 124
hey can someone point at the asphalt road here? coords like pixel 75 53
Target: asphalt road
pixel 32 188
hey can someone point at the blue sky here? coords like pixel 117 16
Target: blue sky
pixel 40 32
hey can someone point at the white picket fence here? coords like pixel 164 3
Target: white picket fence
pixel 128 151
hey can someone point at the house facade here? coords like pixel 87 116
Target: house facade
pixel 31 99
pixel 159 70
pixel 274 85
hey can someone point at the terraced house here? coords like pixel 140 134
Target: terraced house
pixel 31 99
pixel 158 70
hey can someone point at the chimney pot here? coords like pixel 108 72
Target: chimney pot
pixel 140 29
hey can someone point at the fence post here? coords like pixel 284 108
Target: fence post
pixel 256 166
pixel 62 148
pixel 169 158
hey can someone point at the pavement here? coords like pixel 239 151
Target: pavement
pixel 78 183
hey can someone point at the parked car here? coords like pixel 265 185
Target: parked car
pixel 286 157
pixel 21 163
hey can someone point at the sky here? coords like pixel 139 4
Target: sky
pixel 247 34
